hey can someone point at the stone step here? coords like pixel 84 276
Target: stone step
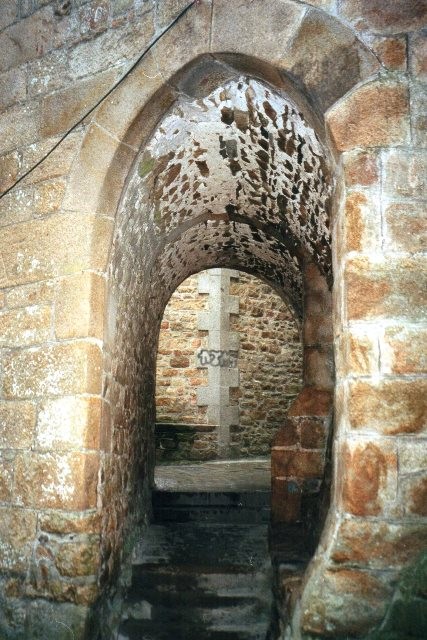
pixel 210 612
pixel 205 544
pixel 199 579
pixel 226 507
pixel 147 630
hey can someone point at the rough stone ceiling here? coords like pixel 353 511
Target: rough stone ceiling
pixel 236 178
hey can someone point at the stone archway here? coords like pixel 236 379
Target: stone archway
pixel 235 178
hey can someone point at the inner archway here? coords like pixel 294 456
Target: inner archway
pixel 235 179
pixel 229 364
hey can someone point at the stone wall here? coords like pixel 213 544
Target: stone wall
pixel 269 363
pixel 268 359
pixel 79 323
pixel 178 377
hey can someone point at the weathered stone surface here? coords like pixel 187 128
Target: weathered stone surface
pixel 369 477
pixel 17 532
pixel 87 190
pixel 392 52
pixel 326 58
pixel 48 196
pixel 311 402
pixel 49 73
pixel 285 500
pixel 119 113
pixel 114 48
pixel 376 114
pixel 404 350
pixel 88 522
pixel 36 34
pixel 12 88
pixel 168 11
pixel 372 544
pixel 9 169
pixel 23 327
pixel 389 407
pixel 406 227
pixel 80 307
pixel 53 621
pixel 414 495
pixel 9 13
pixel 313 433
pixel 286 436
pixel 362 223
pixel 58 245
pixel 63 109
pixel 362 351
pixel 53 370
pixel 412 456
pixel 393 17
pixel 361 168
pixel 278 19
pixel 395 288
pixel 319 366
pixel 293 463
pixel 56 481
pixel 17 422
pixel 69 423
pixel 58 162
pixel 418 58
pixel 78 558
pixel 28 295
pixel 7 459
pixel 16 206
pixel 344 601
pixel 406 173
pixel 19 126
pixel 419 113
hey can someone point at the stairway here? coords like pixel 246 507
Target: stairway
pixel 202 571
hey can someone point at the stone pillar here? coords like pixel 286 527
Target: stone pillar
pixel 221 341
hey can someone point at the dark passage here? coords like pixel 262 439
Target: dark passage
pixel 202 571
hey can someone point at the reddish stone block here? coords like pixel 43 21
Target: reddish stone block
pixel 390 407
pixel 77 558
pixel 362 223
pixel 385 17
pixel 362 354
pixel 286 436
pixel 376 114
pixel 392 52
pixel 404 350
pixel 406 227
pixel 372 544
pixel 369 477
pixel 297 463
pixel 393 289
pixel 361 168
pixel 311 402
pixel 313 433
pixel 285 500
pixel 414 495
pixel 345 602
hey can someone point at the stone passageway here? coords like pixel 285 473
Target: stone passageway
pixel 202 571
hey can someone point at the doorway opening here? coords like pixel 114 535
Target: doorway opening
pixel 235 179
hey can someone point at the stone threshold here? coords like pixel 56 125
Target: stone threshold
pixel 220 475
